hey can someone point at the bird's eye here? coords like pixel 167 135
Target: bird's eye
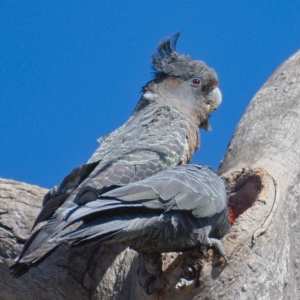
pixel 196 81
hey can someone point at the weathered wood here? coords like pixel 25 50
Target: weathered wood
pixel 268 137
pixel 261 168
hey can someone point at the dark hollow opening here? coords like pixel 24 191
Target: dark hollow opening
pixel 242 193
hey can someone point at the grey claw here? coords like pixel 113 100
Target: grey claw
pixel 224 257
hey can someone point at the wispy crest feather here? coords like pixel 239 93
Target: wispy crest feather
pixel 168 62
pixel 166 54
pixel 166 48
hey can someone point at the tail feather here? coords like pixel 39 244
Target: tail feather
pixel 58 223
pixel 49 209
pixel 20 268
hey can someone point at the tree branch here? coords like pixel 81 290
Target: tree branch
pixel 261 169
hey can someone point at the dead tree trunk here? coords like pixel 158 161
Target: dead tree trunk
pixel 261 168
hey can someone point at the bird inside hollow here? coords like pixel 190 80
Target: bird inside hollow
pixel 163 132
pixel 177 209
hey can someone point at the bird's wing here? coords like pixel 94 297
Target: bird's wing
pixel 205 192
pixel 134 210
pixel 196 188
pixel 58 195
pixel 117 229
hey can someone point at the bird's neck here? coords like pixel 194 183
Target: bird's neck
pixel 195 114
pixel 191 119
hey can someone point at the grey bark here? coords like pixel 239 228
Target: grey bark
pixel 261 168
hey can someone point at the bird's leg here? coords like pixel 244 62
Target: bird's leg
pixel 203 249
pixel 153 262
pixel 205 242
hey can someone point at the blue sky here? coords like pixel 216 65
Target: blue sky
pixel 72 71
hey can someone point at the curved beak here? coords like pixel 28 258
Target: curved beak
pixel 214 99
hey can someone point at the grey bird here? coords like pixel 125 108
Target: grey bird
pixel 162 132
pixel 174 210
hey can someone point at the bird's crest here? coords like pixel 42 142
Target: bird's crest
pixel 166 54
pixel 168 62
pixel 166 48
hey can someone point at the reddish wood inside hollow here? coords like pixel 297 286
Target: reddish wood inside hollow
pixel 243 195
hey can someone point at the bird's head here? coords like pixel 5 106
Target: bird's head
pixel 188 85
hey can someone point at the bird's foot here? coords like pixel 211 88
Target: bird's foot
pixel 217 244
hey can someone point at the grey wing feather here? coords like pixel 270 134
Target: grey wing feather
pixel 205 194
pixel 49 209
pixel 57 196
pixel 119 228
pixel 139 226
pixel 103 205
pixel 189 187
pixel 97 228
